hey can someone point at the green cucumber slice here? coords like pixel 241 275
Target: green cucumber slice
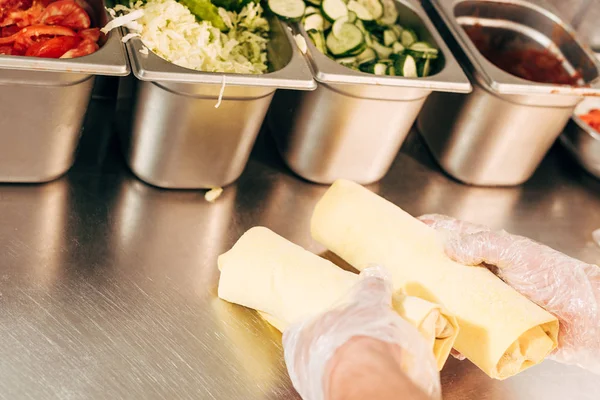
pixel 405 65
pixel 361 8
pixel 408 37
pixel 397 30
pixel 380 69
pixel 390 13
pixel 389 37
pixel 424 68
pixel 334 9
pixel 310 10
pixel 348 40
pixel 318 40
pixel 368 55
pixel 288 10
pixel 381 50
pixel 423 50
pixel 314 21
pixel 391 70
pixel 397 48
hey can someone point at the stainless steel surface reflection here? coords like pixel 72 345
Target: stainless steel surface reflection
pixel 108 286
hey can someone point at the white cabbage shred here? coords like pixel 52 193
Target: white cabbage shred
pixel 172 32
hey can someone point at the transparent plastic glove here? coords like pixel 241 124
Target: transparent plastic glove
pixel 564 286
pixel 309 346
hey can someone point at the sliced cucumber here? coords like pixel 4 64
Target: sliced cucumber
pixel 381 50
pixel 326 24
pixel 333 9
pixel 423 50
pixel 397 30
pixel 374 7
pixel 408 37
pixel 389 37
pixel 390 13
pixel 288 10
pixel 348 40
pixel 310 10
pixel 314 2
pixel 349 62
pixel 398 48
pixel 352 17
pixel 406 66
pixel 314 21
pixel 336 29
pixel 424 68
pixel 368 55
pixel 391 70
pixel 318 40
pixel 380 69
pixel 361 11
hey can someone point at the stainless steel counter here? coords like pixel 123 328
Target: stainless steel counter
pixel 108 286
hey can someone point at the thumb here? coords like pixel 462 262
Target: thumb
pixel 374 287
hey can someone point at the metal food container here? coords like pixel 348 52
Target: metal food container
pixel 43 104
pixel 583 141
pixel 498 134
pixel 174 136
pixel 353 125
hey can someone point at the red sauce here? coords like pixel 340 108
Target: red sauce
pixel 592 118
pixel 531 64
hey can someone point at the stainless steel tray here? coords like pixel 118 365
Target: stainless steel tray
pixel 176 138
pixel 353 125
pixel 44 102
pixel 581 140
pixel 481 141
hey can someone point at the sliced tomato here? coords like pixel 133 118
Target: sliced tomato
pixel 28 36
pixel 66 13
pixel 6 50
pixel 92 34
pixel 53 48
pixel 9 31
pixel 85 47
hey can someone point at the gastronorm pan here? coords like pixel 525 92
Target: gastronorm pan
pixel 353 125
pixel 498 134
pixel 43 104
pixel 176 138
pixel 583 141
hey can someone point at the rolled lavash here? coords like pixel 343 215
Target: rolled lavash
pixel 287 284
pixel 501 331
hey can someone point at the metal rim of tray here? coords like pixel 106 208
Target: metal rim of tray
pixel 450 79
pixel 502 82
pixel 150 67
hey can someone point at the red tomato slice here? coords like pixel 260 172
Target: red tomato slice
pixel 85 47
pixel 53 48
pixel 92 34
pixel 6 50
pixel 66 13
pixel 9 30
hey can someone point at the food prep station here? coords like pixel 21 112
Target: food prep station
pixel 108 276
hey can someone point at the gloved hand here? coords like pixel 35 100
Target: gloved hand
pixel 564 286
pixel 362 332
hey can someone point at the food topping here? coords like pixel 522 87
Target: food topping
pixel 178 34
pixel 537 65
pixel 592 118
pixel 48 29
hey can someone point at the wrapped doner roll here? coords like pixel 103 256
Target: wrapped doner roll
pixel 287 284
pixel 501 331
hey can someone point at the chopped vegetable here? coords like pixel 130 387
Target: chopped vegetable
pixel 365 36
pixel 205 10
pixel 592 118
pixel 59 29
pixel 172 32
pixel 288 10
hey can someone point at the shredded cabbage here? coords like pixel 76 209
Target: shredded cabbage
pixel 169 29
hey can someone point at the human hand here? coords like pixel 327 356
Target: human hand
pixel 564 286
pixel 361 346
